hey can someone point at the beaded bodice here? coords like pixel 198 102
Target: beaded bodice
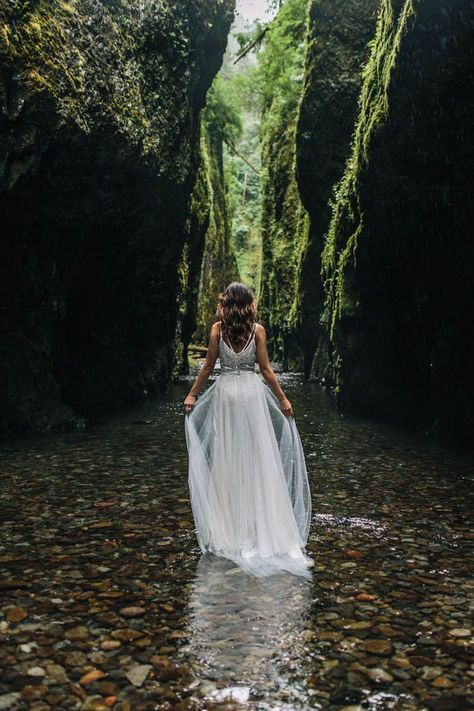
pixel 243 361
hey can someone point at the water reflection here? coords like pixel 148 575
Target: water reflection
pixel 367 524
pixel 244 629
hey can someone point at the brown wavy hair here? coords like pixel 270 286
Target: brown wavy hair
pixel 237 311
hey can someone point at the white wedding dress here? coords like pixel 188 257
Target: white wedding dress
pixel 248 482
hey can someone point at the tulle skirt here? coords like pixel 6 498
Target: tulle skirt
pixel 248 482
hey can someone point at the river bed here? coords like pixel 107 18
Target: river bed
pixel 107 602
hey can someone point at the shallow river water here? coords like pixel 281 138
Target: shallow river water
pixel 106 601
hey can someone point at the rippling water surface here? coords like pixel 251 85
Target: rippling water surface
pixel 107 602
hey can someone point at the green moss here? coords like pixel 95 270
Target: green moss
pixel 284 226
pixel 339 38
pixel 99 128
pixel 112 81
pixel 50 41
pixel 284 222
pixel 191 261
pixel 339 257
pixel 219 265
pixel 396 268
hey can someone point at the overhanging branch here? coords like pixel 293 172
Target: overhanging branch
pixel 234 150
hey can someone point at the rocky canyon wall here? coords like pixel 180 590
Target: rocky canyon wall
pixel 284 221
pixel 338 39
pixel 392 315
pixel 219 264
pixel 99 127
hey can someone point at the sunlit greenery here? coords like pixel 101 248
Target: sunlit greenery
pixel 233 111
pixel 247 97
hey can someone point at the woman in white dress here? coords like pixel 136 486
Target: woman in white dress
pixel 248 482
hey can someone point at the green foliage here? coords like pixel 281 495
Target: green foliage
pixel 340 251
pixel 243 195
pixel 281 62
pixel 232 114
pixel 251 107
pixel 222 113
pixel 284 220
pixel 219 266
pixel 253 37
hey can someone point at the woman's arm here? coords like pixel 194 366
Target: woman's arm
pixel 267 371
pixel 206 370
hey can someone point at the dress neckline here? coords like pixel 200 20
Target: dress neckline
pixel 230 347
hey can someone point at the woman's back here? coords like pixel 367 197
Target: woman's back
pixel 243 359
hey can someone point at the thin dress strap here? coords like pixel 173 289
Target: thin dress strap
pixel 249 338
pixel 246 343
pixel 221 338
pixel 251 334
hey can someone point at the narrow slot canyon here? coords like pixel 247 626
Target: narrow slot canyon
pixel 152 152
pixel 324 158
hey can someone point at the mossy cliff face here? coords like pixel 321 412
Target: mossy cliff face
pixel 284 226
pixel 398 263
pixel 337 49
pixel 219 264
pixel 99 130
pixel 197 228
pixel 284 221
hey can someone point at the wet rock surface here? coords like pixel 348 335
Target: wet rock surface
pixel 99 150
pixel 106 602
pixel 394 346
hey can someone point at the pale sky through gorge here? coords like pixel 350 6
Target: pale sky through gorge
pixel 251 9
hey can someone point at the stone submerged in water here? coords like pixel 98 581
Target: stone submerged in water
pixel 380 676
pixel 109 644
pixel 138 673
pixel 95 703
pixel 378 646
pixel 442 682
pixel 16 614
pixel 76 634
pixel 33 693
pixel 91 676
pixel 132 611
pixel 460 632
pixel 8 701
pixel 36 671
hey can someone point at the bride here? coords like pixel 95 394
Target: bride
pixel 248 482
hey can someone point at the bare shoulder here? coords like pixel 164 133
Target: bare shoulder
pixel 260 330
pixel 215 328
